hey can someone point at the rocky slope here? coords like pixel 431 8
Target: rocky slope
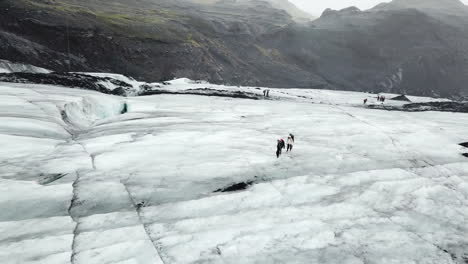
pixel 416 47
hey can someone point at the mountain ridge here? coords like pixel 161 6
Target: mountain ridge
pixel 399 50
pixel 443 5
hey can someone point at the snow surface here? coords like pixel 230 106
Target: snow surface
pixel 10 67
pixel 136 85
pixel 80 182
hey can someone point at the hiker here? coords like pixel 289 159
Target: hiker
pixel 383 99
pixel 290 144
pixel 292 137
pixel 365 101
pixel 279 147
pixel 268 93
pixel 378 98
pixel 264 93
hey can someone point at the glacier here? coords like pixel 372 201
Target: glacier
pixel 83 181
pixel 11 67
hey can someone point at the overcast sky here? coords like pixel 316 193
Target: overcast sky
pixel 316 7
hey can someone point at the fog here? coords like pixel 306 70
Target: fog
pixel 316 7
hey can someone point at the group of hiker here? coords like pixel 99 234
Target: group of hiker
pixel 266 92
pixel 282 145
pixel 380 98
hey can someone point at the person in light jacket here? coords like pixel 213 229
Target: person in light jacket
pixel 290 144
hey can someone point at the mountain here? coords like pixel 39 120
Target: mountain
pixel 393 49
pixel 413 46
pixel 151 40
pixel 434 6
pixel 296 13
pixel 292 10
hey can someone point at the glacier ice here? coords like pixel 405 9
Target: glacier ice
pixel 9 67
pixel 80 182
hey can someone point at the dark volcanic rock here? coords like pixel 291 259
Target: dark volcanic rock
pixel 401 98
pixel 50 178
pixel 73 80
pixel 236 187
pixel 456 107
pixel 205 92
pixel 438 106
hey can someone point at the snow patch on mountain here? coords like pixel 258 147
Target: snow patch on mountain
pixel 10 67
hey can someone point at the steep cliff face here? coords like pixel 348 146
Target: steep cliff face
pixel 393 47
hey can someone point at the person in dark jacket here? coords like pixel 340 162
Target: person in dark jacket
pixel 279 147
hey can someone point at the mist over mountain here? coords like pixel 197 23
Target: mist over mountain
pixel 450 6
pixel 406 46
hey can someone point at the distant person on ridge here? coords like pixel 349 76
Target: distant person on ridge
pixel 264 93
pixel 279 147
pixel 268 92
pixel 365 101
pixel 290 144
